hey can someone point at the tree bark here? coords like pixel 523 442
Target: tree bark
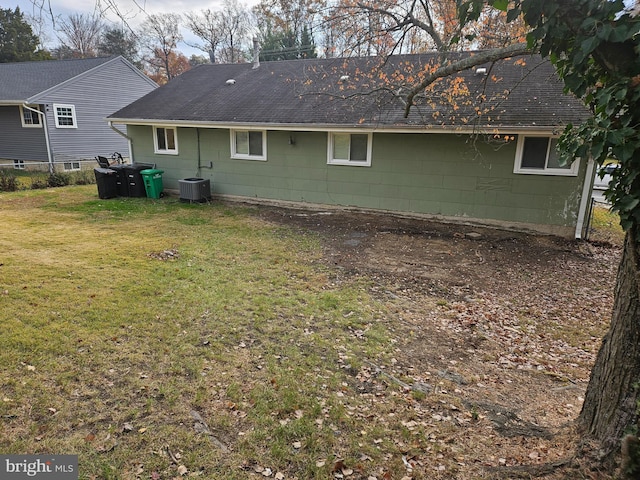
pixel 610 405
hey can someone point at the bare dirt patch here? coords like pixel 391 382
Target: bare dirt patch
pixel 506 324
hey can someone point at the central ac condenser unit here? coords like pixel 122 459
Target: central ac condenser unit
pixel 195 189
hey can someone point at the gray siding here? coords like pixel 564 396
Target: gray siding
pixel 17 142
pixel 95 95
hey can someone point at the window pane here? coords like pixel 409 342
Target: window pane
pixel 171 138
pixel 65 116
pixel 341 146
pixel 534 153
pixel 554 157
pixel 358 148
pixel 255 143
pixel 242 143
pixel 162 143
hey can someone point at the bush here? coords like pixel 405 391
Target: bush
pixel 8 181
pixel 58 180
pixel 83 177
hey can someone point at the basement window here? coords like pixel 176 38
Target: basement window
pixel 537 155
pixel 165 140
pixel 349 149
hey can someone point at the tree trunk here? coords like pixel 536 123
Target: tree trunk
pixel 610 404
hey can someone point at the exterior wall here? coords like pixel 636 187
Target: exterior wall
pixel 17 142
pixel 434 174
pixel 95 95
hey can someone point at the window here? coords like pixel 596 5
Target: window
pixel 538 155
pixel 29 118
pixel 249 144
pixel 69 166
pixel 18 164
pixel 165 140
pixel 349 149
pixel 65 116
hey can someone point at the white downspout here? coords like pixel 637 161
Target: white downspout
pixel 586 198
pixel 129 141
pixel 46 134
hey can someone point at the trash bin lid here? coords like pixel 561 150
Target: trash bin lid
pixel 105 171
pixel 150 171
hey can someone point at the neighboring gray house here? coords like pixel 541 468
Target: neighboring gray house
pixel 478 147
pixel 55 111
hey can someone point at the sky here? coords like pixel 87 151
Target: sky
pixel 131 9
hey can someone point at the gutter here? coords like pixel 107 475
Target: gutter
pixel 46 134
pixel 121 133
pixel 586 198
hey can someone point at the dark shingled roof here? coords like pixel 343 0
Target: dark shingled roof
pixel 23 80
pixel 521 93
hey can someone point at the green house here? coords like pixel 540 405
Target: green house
pixel 476 147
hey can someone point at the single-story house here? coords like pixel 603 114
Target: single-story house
pixel 54 112
pixel 478 146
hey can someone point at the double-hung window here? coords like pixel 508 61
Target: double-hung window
pixel 65 115
pixel 29 117
pixel 249 144
pixel 349 149
pixel 165 140
pixel 538 155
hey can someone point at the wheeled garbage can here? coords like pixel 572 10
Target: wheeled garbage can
pixel 135 185
pixel 106 180
pixel 152 179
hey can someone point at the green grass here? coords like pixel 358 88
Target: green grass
pixel 108 346
pixel 605 226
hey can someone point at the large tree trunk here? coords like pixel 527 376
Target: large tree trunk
pixel 610 404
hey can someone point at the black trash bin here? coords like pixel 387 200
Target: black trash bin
pixel 135 182
pixel 106 181
pixel 121 179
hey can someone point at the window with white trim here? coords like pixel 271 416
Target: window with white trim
pixel 65 115
pixel 165 140
pixel 249 144
pixel 538 155
pixel 29 118
pixel 18 164
pixel 349 149
pixel 70 166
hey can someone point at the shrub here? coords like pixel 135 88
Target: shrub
pixel 58 180
pixel 83 177
pixel 8 181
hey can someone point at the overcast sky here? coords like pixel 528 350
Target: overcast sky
pixel 131 9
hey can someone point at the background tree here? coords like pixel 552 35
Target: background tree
pixel 17 41
pixel 159 35
pixel 158 66
pixel 207 27
pixel 234 27
pixel 80 34
pixel 117 41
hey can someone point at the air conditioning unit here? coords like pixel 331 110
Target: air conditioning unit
pixel 194 189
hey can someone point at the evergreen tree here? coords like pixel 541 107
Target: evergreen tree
pixel 17 41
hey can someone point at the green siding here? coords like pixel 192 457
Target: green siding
pixel 439 174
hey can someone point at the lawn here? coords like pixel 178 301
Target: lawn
pixel 157 339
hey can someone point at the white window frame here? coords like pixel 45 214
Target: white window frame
pixel 165 151
pixel 18 165
pixel 342 161
pixel 571 171
pixel 32 115
pixel 244 156
pixel 71 166
pixel 73 117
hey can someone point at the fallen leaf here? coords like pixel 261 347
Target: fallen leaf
pixel 90 437
pixel 321 463
pixel 297 445
pixel 279 476
pixel 31 368
pixel 142 430
pixel 182 470
pixel 267 472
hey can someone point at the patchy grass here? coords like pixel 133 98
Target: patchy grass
pixel 125 320
pixel 605 226
pixel 157 340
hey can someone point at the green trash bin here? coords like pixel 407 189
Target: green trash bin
pixel 152 179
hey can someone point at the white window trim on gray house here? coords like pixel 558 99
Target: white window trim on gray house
pixel 340 151
pixel 29 118
pixel 242 148
pixel 546 162
pixel 167 143
pixel 65 115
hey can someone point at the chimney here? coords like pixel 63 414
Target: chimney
pixel 256 53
